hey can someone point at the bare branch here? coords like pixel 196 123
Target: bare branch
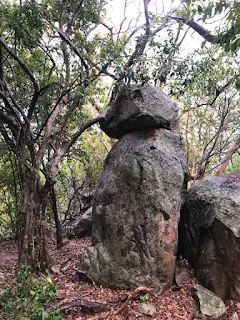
pixel 146 13
pixel 232 149
pixel 133 32
pixel 164 22
pixel 53 164
pixel 142 42
pixel 64 93
pixel 219 91
pixel 124 19
pixel 86 60
pixel 206 34
pixel 49 124
pixel 87 125
pixel 107 27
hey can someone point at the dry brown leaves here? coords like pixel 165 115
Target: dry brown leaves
pixel 174 303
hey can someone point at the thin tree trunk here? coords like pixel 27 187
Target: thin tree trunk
pixel 232 149
pixel 56 218
pixel 32 238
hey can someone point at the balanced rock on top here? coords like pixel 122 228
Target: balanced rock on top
pixel 142 107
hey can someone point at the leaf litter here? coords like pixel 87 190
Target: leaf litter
pixel 81 300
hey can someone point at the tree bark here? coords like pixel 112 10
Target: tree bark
pixel 56 218
pixel 32 238
pixel 232 149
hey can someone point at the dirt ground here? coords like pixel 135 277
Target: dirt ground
pixel 78 300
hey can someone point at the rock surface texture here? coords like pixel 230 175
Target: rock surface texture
pixel 210 233
pixel 211 306
pixel 145 107
pixel 80 226
pixel 138 200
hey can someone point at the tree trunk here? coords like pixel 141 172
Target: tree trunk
pixel 56 218
pixel 32 239
pixel 232 149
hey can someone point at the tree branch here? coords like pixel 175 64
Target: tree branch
pixel 6 137
pixel 206 34
pixel 30 75
pixel 141 44
pixel 74 15
pixel 53 164
pixel 218 92
pixel 87 125
pixel 9 107
pixel 22 64
pixel 232 149
pixel 75 49
pixel 4 118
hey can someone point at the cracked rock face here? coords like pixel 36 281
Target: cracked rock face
pixel 210 233
pixel 136 212
pixel 143 107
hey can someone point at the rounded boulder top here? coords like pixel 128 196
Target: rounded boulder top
pixel 139 107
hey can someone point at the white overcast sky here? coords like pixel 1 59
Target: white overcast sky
pixel 116 13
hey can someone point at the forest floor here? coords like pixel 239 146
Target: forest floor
pixel 77 298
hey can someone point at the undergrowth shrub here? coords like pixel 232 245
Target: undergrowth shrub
pixel 26 298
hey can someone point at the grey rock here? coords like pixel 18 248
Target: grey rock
pixel 210 233
pixel 211 305
pixel 81 225
pixel 147 309
pixel 183 274
pixel 142 108
pixel 136 212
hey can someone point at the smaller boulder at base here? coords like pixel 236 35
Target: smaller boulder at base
pixel 147 309
pixel 209 233
pixel 211 306
pixel 140 107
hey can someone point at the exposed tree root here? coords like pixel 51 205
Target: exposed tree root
pixel 132 296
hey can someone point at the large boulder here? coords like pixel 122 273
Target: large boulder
pixel 210 233
pixel 136 212
pixel 141 107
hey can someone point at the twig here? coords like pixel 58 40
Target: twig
pixel 132 296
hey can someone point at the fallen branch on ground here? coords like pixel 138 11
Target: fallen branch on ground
pixel 88 307
pixel 132 296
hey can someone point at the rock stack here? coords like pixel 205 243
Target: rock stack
pixel 140 193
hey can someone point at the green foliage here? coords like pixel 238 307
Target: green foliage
pixel 26 298
pixel 228 12
pixel 9 191
pixel 25 21
pixel 144 297
pixel 210 108
pixel 81 170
